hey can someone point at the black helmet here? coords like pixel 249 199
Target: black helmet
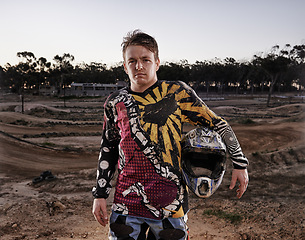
pixel 203 161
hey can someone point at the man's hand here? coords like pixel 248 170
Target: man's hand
pixel 99 211
pixel 240 175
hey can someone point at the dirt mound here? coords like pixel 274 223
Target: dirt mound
pixel 15 118
pixel 26 160
pixel 259 114
pixel 30 108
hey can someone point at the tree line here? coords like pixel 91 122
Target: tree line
pixel 280 69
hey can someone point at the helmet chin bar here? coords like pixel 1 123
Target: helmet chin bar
pixel 207 186
pixel 203 161
pixel 204 187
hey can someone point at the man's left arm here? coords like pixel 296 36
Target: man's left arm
pixel 198 113
pixel 239 160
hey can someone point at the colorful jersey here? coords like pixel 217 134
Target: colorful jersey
pixel 142 134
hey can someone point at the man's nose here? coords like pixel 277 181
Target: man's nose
pixel 139 65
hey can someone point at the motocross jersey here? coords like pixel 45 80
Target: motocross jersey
pixel 142 135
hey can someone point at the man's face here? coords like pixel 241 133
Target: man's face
pixel 141 67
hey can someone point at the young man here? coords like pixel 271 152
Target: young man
pixel 142 134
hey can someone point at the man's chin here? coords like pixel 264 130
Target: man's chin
pixel 140 80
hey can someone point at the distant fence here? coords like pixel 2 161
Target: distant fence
pixel 92 89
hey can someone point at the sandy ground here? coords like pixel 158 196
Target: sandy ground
pixel 65 140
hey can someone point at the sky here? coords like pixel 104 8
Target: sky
pixel 192 30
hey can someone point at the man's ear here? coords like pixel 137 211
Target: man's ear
pixel 125 69
pixel 157 64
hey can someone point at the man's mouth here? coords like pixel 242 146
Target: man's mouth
pixel 140 74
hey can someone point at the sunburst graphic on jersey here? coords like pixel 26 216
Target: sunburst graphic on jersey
pixel 161 118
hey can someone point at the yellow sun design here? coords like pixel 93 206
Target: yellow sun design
pixel 167 132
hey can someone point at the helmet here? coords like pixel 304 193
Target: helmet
pixel 203 161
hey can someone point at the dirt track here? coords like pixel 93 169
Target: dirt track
pixel 47 137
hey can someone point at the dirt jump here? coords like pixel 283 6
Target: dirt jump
pixel 63 139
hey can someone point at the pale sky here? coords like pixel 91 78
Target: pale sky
pixel 92 30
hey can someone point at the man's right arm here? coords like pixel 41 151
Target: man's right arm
pixel 109 153
pixel 107 161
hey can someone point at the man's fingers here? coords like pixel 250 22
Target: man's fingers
pixel 100 218
pixel 104 212
pixel 104 219
pixel 100 211
pixel 233 182
pixel 241 190
pixel 242 177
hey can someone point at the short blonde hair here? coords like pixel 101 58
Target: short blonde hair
pixel 139 38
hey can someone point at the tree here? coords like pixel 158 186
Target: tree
pixel 275 64
pixel 43 68
pixel 63 70
pixel 298 55
pixel 23 74
pixel 117 73
pixel 28 57
pixel 175 71
pixel 26 69
pixel 199 75
pixel 2 78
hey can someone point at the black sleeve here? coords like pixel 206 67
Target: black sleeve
pixel 108 156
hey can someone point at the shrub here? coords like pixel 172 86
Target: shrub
pixel 232 217
pixel 246 121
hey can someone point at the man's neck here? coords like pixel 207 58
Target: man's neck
pixel 140 88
